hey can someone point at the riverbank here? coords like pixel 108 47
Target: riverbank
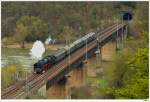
pixel 29 46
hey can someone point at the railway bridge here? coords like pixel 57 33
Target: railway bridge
pixel 57 76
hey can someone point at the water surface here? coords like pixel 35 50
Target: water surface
pixel 18 56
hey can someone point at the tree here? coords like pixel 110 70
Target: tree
pixel 68 34
pixel 135 79
pixel 21 34
pixel 127 76
pixel 140 19
pixel 81 16
pixel 9 74
pixel 29 28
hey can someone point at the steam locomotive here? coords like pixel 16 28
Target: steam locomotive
pixel 46 63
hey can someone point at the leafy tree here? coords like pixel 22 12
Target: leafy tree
pixel 135 79
pixel 21 34
pixel 30 28
pixel 68 34
pixel 140 19
pixel 81 16
pixel 127 76
pixel 10 73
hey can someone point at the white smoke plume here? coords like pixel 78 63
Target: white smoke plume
pixel 37 50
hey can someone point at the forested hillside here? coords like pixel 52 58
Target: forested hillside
pixel 29 21
pixel 126 77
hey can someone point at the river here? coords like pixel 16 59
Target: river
pixel 18 56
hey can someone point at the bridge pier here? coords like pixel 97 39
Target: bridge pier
pixel 91 66
pixel 120 39
pixel 60 90
pixel 108 50
pixel 42 91
pixel 78 76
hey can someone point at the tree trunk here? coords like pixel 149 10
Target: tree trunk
pixel 23 45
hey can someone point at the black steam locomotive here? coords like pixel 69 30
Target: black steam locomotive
pixel 46 63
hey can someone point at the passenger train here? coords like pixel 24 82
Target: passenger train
pixel 49 61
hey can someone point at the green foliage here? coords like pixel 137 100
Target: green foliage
pixel 36 96
pixel 34 28
pixel 29 28
pixel 135 79
pixel 127 76
pixel 21 33
pixel 68 34
pixel 80 16
pixel 140 19
pixel 10 73
pixel 81 93
pixel 8 40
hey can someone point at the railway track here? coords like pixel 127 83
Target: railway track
pixel 37 80
pixel 12 89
